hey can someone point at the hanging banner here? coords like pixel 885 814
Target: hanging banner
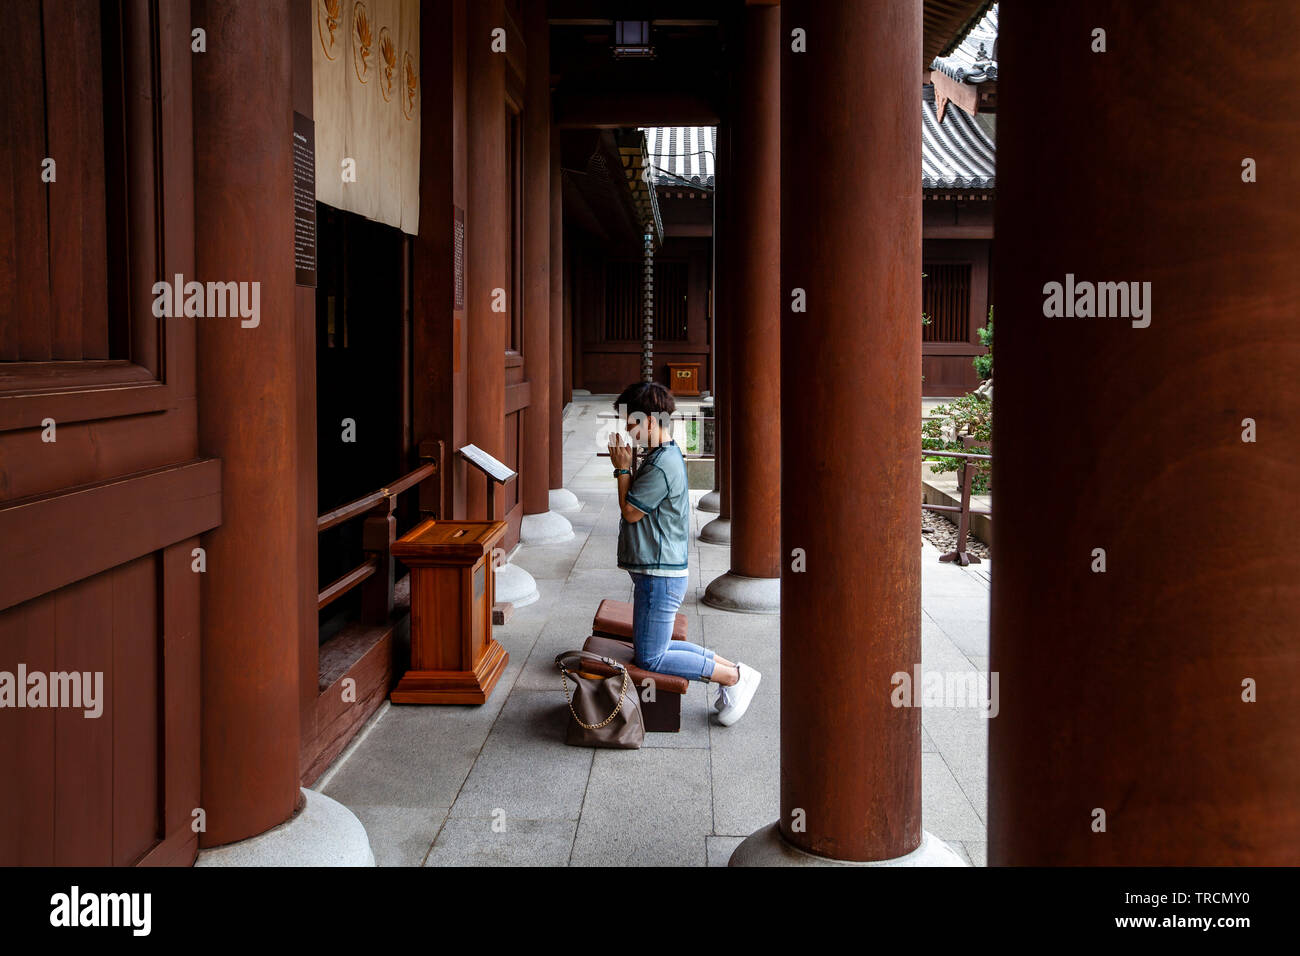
pixel 366 98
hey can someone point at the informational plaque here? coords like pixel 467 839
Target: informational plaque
pixel 486 463
pixel 458 259
pixel 304 200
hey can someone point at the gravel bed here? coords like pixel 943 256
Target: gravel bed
pixel 942 533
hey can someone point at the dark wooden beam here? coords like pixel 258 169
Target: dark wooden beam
pixel 612 110
pixel 957 232
pixel 688 229
pixel 947 90
pixel 598 12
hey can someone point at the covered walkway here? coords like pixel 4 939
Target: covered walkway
pixel 497 785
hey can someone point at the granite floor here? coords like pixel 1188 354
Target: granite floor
pixel 496 785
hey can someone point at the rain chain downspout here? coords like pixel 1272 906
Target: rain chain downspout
pixel 648 311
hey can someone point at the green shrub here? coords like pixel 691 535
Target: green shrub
pixel 984 363
pixel 972 416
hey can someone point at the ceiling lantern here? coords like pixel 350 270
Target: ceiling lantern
pixel 632 38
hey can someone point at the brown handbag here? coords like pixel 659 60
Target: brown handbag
pixel 606 711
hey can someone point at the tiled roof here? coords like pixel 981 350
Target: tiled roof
pixel 975 58
pixel 946 24
pixel 955 154
pixel 683 154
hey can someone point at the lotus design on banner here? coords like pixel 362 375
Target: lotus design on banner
pixel 329 13
pixel 366 109
pixel 362 41
pixel 388 53
pixel 412 85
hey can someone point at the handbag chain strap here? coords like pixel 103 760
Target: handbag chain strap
pixel 621 695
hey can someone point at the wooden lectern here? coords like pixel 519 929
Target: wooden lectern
pixel 454 658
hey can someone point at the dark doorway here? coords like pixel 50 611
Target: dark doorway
pixel 359 378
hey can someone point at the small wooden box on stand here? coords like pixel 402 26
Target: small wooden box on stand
pixel 454 657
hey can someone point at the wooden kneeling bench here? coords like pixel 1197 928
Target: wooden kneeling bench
pixel 664 714
pixel 614 619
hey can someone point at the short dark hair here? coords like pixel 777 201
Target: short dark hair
pixel 650 399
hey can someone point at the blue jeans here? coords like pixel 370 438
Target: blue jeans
pixel 655 600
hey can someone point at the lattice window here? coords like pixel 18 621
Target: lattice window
pixel 945 298
pixel 670 301
pixel 623 289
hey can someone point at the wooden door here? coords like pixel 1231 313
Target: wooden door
pixel 103 492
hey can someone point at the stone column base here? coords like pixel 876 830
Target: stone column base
pixel 547 527
pixel 323 833
pixel 562 499
pixel 515 586
pixel 710 501
pixel 736 592
pixel 717 531
pixel 766 847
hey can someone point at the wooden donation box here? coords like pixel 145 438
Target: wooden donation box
pixel 684 378
pixel 454 658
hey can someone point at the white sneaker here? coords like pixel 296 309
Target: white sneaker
pixel 739 695
pixel 723 698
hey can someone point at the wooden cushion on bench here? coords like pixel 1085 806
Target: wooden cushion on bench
pixel 614 619
pixel 622 651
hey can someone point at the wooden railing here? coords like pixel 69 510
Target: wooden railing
pixel 965 478
pixel 375 575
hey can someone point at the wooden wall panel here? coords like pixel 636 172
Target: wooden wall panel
pixel 137 690
pixel 82 755
pixel 24 235
pixel 96 528
pixel 27 806
pixel 53 251
pixel 74 86
pixel 88 791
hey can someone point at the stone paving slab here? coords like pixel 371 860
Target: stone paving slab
pixel 647 807
pixel 475 841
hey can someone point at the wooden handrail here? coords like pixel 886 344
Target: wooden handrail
pixel 963 511
pixel 935 453
pixel 354 509
pixel 336 589
pixel 377 538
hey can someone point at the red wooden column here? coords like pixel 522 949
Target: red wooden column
pixel 561 499
pixel 486 238
pixel 718 530
pixel 711 501
pixel 438 327
pixel 539 525
pixel 851 614
pixel 1125 692
pixel 753 279
pixel 250 390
